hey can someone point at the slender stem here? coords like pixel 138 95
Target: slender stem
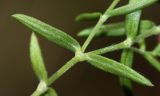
pixel 62 70
pixel 142 51
pixel 42 88
pixel 138 51
pixel 96 29
pixel 121 45
pixel 112 6
pixel 154 31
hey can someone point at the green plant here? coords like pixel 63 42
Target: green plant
pixel 135 30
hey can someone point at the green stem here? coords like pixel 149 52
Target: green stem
pixel 62 70
pixel 139 51
pixel 154 31
pixel 42 88
pixel 96 29
pixel 128 43
pixel 112 6
pixel 121 45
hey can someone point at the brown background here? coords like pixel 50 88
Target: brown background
pixel 17 78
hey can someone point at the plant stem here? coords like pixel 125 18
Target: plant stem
pixel 139 51
pixel 128 43
pixel 62 70
pixel 154 31
pixel 121 45
pixel 96 29
pixel 112 6
pixel 42 88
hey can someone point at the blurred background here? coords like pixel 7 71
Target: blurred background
pixel 16 75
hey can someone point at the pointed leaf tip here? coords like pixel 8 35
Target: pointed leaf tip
pixel 53 34
pixel 88 16
pixel 37 60
pixel 116 68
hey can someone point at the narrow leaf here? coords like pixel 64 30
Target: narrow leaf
pixel 127 59
pixel 131 7
pixel 152 61
pixel 88 16
pixel 116 68
pixel 55 35
pixel 51 92
pixel 132 24
pixel 156 50
pixel 36 59
pixel 115 29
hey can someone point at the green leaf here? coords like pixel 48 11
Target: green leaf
pixel 55 35
pixel 146 24
pixel 51 92
pixel 152 61
pixel 132 24
pixel 156 50
pixel 36 59
pixel 116 68
pixel 131 7
pixel 127 59
pixel 115 29
pixel 88 16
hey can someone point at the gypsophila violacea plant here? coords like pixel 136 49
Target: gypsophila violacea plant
pixel 135 30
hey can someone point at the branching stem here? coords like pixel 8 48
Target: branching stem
pixel 96 29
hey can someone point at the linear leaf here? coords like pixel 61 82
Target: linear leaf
pixel 55 35
pixel 88 16
pixel 131 7
pixel 116 29
pixel 152 61
pixel 127 59
pixel 132 24
pixel 156 50
pixel 36 59
pixel 117 68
